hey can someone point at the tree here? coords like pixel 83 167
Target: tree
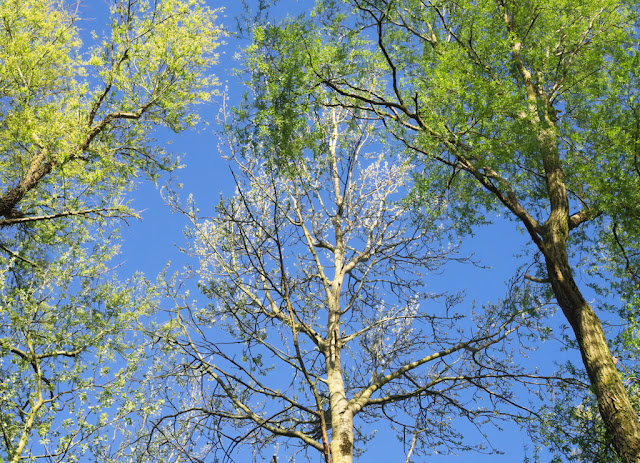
pixel 527 107
pixel 316 271
pixel 65 324
pixel 76 123
pixel 75 132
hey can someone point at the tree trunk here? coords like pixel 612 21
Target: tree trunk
pixel 341 414
pixel 342 439
pixel 341 421
pixel 613 401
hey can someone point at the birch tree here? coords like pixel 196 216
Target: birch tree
pixel 319 275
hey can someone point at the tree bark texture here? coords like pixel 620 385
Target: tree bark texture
pixel 613 402
pixel 341 414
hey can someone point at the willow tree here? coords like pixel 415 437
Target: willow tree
pixel 318 273
pixel 75 131
pixel 526 107
pixel 76 120
pixel 69 354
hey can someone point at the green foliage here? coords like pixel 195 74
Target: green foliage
pixel 572 429
pixel 76 130
pixel 525 107
pixel 63 323
pixel 76 121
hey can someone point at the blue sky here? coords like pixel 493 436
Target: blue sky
pixel 150 243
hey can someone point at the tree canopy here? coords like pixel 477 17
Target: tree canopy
pixel 375 135
pixel 76 130
pixel 77 120
pixel 526 107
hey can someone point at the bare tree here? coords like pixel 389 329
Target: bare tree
pixel 317 271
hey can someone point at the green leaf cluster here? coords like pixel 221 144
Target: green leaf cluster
pixel 77 124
